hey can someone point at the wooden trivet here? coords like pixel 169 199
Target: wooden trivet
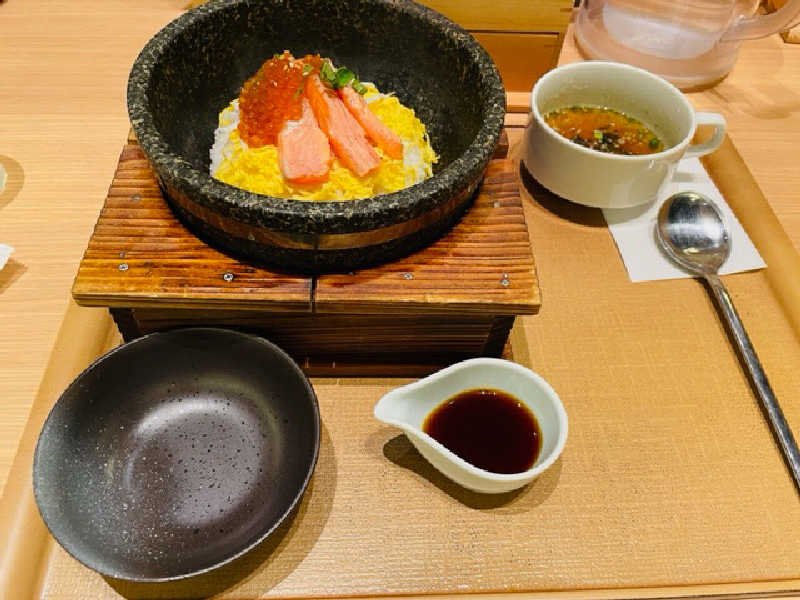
pixel 455 299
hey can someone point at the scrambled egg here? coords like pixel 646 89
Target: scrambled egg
pixel 257 170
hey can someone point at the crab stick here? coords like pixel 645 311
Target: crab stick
pixel 346 136
pixel 386 139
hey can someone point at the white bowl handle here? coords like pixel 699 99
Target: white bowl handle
pixel 717 121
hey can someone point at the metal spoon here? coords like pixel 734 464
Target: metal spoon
pixel 692 231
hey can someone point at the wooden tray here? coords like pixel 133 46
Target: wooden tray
pixel 452 300
pixel 670 484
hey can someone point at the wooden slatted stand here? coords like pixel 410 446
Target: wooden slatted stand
pixel 455 299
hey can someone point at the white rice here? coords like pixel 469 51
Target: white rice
pixel 228 123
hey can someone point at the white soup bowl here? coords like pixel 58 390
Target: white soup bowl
pixel 601 179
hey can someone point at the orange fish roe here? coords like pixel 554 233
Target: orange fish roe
pixel 272 96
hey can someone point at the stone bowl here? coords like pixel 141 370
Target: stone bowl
pixel 190 70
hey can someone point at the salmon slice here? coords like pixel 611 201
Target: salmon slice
pixel 347 137
pixel 304 153
pixel 386 139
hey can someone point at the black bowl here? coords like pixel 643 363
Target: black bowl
pixel 196 65
pixel 175 453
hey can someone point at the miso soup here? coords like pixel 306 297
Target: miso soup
pixel 605 130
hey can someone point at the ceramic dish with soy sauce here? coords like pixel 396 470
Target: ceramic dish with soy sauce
pixel 486 411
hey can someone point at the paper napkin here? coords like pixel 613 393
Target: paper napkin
pixel 634 230
pixel 5 252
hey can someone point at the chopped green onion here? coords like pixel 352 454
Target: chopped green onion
pixel 339 78
pixel 327 74
pixel 297 93
pixel 276 55
pixel 343 77
pixel 598 135
pixel 654 142
pixel 307 69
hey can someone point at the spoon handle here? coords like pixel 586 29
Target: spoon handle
pixel 765 394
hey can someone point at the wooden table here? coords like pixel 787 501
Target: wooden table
pixel 61 61
pixel 63 68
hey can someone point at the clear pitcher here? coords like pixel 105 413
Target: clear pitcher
pixel 692 43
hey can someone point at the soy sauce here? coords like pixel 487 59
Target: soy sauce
pixel 488 428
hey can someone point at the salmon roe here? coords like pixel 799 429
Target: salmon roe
pixel 273 95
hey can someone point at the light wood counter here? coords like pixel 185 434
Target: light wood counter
pixel 64 66
pixel 63 70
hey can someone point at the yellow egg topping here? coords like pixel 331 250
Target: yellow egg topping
pixel 257 169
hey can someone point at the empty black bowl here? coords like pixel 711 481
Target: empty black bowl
pixel 175 453
pixel 197 64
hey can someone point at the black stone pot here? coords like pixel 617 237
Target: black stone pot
pixel 196 65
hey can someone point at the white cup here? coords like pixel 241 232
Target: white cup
pixel 602 179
